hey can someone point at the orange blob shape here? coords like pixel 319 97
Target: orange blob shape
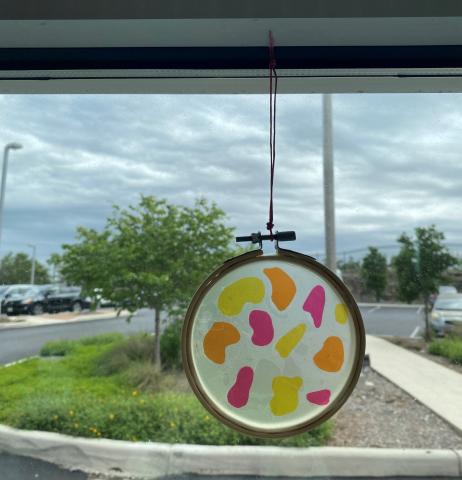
pixel 331 356
pixel 283 287
pixel 218 338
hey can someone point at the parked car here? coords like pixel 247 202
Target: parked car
pixel 447 289
pixel 24 300
pixel 446 316
pixel 35 300
pixel 59 299
pixel 6 291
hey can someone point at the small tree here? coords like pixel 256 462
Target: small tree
pixel 86 263
pixel 374 272
pixel 351 265
pixel 153 255
pixel 433 260
pixel 421 264
pixel 405 264
pixel 17 268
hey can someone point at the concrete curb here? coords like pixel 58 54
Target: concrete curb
pixel 153 460
pixel 16 362
pixel 391 305
pixel 47 322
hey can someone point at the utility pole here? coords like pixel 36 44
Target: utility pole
pixel 8 147
pixel 329 200
pixel 34 255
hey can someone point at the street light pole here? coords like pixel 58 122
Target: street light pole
pixel 8 147
pixel 34 256
pixel 329 201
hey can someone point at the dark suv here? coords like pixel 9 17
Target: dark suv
pixel 59 299
pixel 36 300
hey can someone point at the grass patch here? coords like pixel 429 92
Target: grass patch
pixel 450 347
pixel 105 387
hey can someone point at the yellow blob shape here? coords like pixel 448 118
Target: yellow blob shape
pixel 290 340
pixel 341 313
pixel 283 287
pixel 285 395
pixel 246 290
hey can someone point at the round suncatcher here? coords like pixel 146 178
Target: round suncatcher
pixel 273 344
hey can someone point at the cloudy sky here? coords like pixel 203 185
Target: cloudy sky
pixel 397 163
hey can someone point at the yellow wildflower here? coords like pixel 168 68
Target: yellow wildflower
pixel 135 393
pixel 172 425
pixel 55 417
pixel 76 425
pixel 111 416
pixel 71 413
pixel 206 418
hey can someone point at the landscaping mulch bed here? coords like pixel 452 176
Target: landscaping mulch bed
pixel 379 414
pixel 419 346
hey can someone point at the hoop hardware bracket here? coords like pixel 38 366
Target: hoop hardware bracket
pixel 259 238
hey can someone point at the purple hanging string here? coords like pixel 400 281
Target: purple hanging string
pixel 272 73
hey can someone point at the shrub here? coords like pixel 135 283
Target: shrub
pixel 146 377
pixel 138 348
pixel 168 417
pixel 450 348
pixel 65 347
pixel 170 346
pixel 102 339
pixel 58 348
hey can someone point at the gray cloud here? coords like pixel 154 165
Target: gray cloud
pixel 397 163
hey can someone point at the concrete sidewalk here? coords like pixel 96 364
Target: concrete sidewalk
pixel 435 386
pixel 55 319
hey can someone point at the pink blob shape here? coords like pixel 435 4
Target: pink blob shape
pixel 314 304
pixel 238 394
pixel 320 397
pixel 262 326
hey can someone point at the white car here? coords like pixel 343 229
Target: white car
pixel 447 289
pixel 446 316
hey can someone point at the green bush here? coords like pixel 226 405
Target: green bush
pixel 170 346
pixel 102 339
pixel 146 377
pixel 65 347
pixel 132 401
pixel 58 348
pixel 450 348
pixel 171 418
pixel 137 348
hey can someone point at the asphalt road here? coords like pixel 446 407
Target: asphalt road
pixel 394 321
pixel 20 468
pixel 17 343
pixel 24 342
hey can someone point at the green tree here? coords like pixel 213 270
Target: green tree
pixel 153 255
pixel 374 272
pixel 421 265
pixel 405 264
pixel 351 265
pixel 16 268
pixel 87 263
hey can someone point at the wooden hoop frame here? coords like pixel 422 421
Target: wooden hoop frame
pixel 301 260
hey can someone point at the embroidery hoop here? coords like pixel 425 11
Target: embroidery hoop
pixel 304 261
